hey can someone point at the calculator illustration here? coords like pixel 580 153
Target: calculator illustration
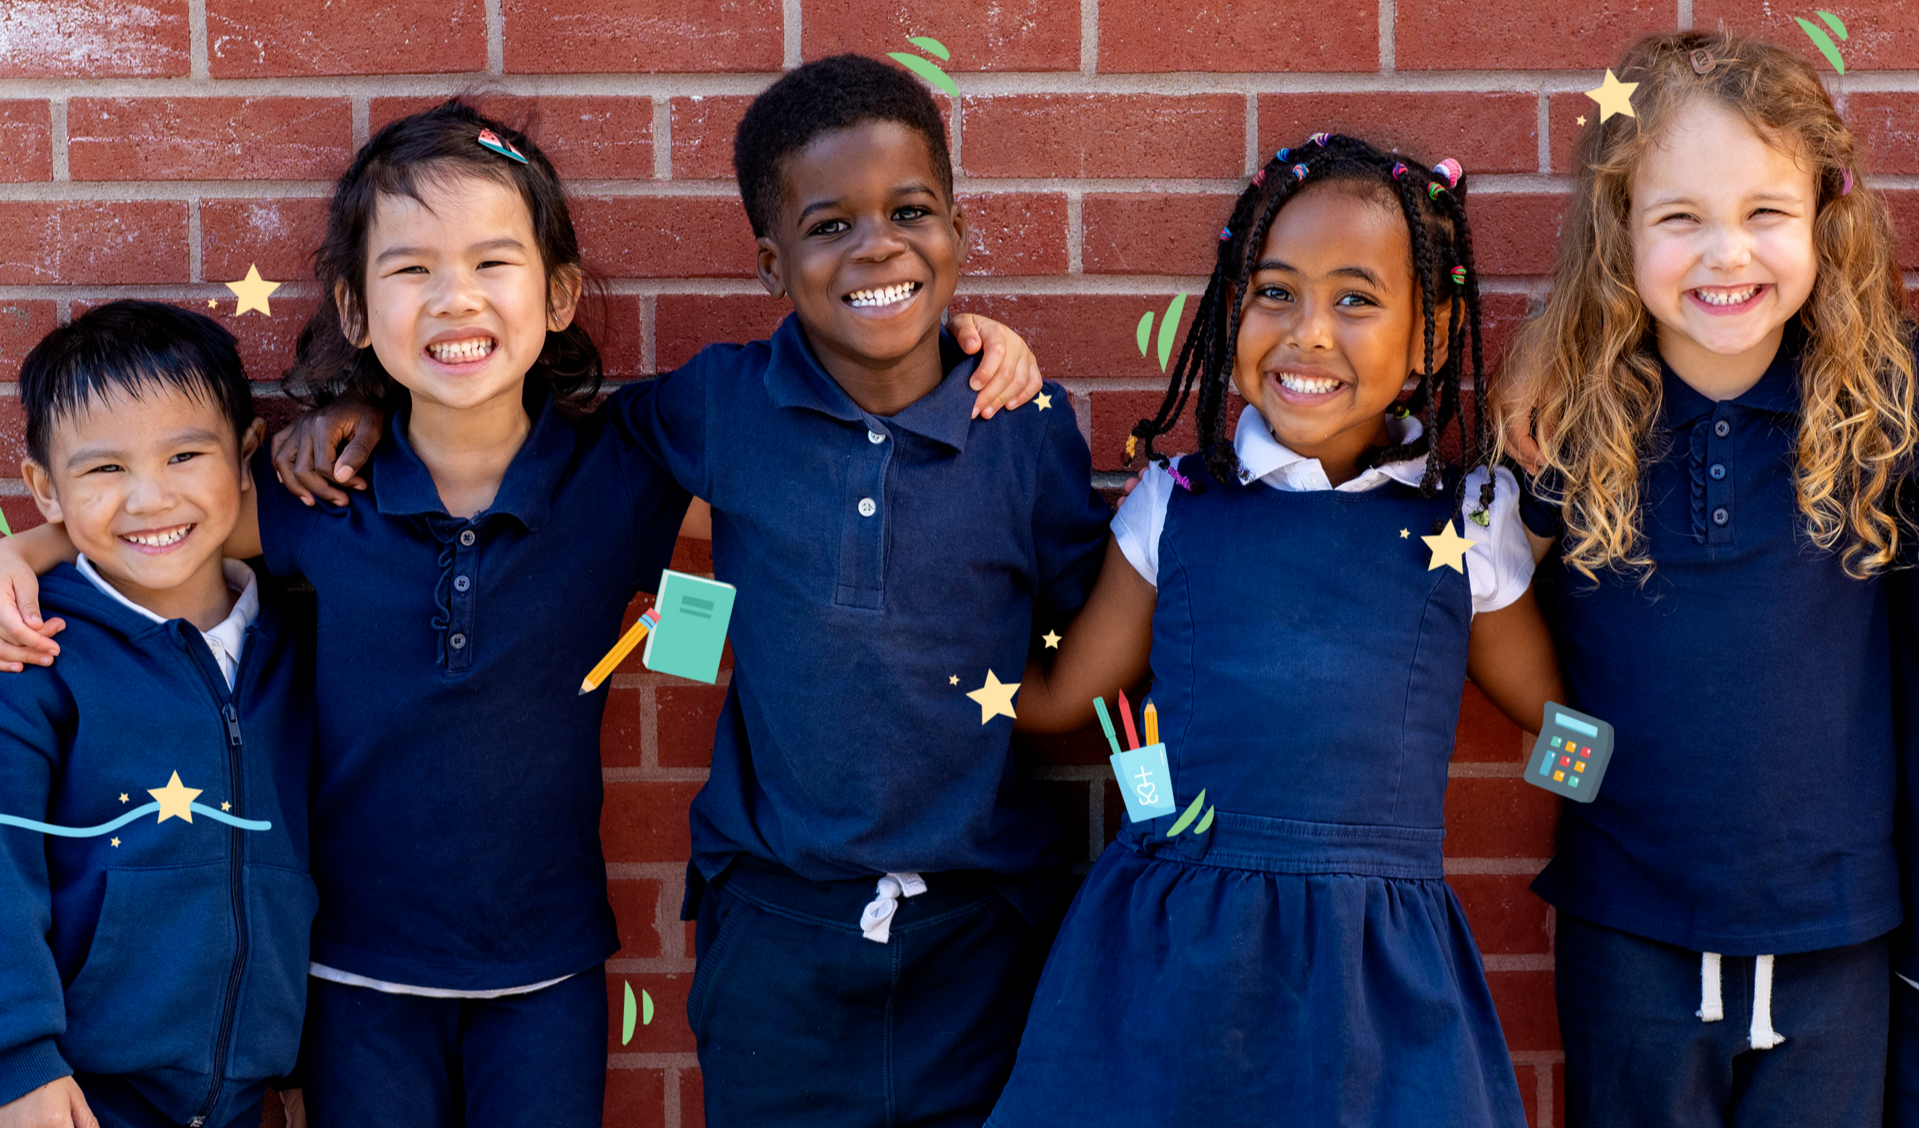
pixel 1571 755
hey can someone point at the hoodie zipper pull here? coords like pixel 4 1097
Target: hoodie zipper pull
pixel 233 724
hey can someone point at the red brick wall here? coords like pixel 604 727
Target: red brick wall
pixel 158 147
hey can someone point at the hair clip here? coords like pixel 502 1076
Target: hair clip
pixel 1320 139
pixel 1845 186
pixel 1450 169
pixel 1399 170
pixel 1225 233
pixel 1299 172
pixel 491 140
pixel 1459 276
pixel 1703 62
pixel 1259 178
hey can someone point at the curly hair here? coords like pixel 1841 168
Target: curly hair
pixel 1442 267
pixel 1586 369
pixel 418 150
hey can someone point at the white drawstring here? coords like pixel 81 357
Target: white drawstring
pixel 876 920
pixel 1712 1007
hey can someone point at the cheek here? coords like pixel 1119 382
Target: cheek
pixel 1793 261
pixel 1658 265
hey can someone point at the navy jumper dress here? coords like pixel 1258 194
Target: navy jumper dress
pixel 1303 961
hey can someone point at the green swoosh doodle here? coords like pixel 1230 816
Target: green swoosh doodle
pixel 1823 41
pixel 629 1013
pixel 925 70
pixel 1192 810
pixel 1168 330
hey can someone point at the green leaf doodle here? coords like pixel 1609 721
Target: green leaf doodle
pixel 626 1017
pixel 1204 822
pixel 925 70
pixel 1191 813
pixel 933 46
pixel 1145 331
pixel 1168 330
pixel 1823 41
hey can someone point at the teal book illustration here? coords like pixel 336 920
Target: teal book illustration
pixel 691 634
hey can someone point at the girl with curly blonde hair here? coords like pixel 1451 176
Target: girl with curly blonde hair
pixel 1720 393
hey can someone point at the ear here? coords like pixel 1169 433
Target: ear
pixel 563 296
pixel 249 443
pixel 40 485
pixel 772 268
pixel 352 325
pixel 959 232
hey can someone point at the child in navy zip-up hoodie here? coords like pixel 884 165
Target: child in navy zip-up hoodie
pixel 153 786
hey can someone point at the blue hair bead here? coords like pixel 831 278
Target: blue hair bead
pixel 1225 233
pixel 1299 172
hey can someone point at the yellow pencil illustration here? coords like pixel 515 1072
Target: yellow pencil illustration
pixel 619 652
pixel 1152 723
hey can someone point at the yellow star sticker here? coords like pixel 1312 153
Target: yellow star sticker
pixel 252 292
pixel 1052 639
pixel 994 698
pixel 1580 120
pixel 1044 400
pixel 953 680
pixel 175 799
pixel 1614 97
pixel 1405 533
pixel 123 797
pixel 116 840
pixel 1449 549
pixel 226 806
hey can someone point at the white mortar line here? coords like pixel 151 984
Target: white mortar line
pixel 662 138
pixel 362 120
pixel 1684 16
pixel 790 43
pixel 1495 865
pixel 1254 151
pixel 195 271
pixel 674 1079
pixel 495 38
pixel 649 333
pixel 1544 127
pixel 1075 232
pixel 197 40
pixel 1088 37
pixel 650 727
pixel 57 124
pixel 1388 15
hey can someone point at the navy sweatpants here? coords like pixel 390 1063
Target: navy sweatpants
pixel 1902 1056
pixel 1637 1052
pixel 377 1058
pixel 803 1021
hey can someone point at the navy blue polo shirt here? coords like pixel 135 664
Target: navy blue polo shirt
pixel 1748 806
pixel 456 797
pixel 885 566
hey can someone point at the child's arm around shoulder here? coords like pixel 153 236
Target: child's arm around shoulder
pixel 1510 656
pixel 1105 649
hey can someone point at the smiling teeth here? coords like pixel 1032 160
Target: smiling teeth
pixel 158 540
pixel 1306 384
pixel 461 352
pixel 1726 298
pixel 884 295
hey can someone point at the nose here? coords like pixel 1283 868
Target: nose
pixel 148 495
pixel 1728 247
pixel 877 242
pixel 1310 325
pixel 455 293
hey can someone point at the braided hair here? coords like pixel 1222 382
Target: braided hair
pixel 1435 215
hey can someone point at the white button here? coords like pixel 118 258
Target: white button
pixel 868 507
pixel 466 537
pixel 875 437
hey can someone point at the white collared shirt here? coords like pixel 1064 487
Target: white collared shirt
pixel 227 637
pixel 1499 567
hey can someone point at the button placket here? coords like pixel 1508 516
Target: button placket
pixel 862 560
pixel 460 602
pixel 1720 509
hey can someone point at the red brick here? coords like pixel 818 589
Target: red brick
pixel 1131 135
pixel 13 437
pixel 1527 1078
pixel 1526 1009
pixel 703 135
pixel 1484 733
pixel 22 514
pixel 1079 335
pixel 1559 1094
pixel 1883 121
pixel 666 236
pixel 635 608
pixel 23 322
pixel 616 326
pixel 693 1098
pixel 258 38
pixel 1513 35
pixel 1001 35
pixel 589 137
pixel 687 323
pixel 1238 35
pixel 1567 116
pixel 1501 316
pixel 612 36
pixel 277 235
pixel 26 137
pixel 1015 233
pixel 266 343
pixel 275 410
pixel 1506 916
pixel 1115 414
pixel 1484 132
pixel 1904 206
pixel 1152 232
pixel 208 138
pixel 621 728
pixel 668 1032
pixel 93 38
pixel 646 822
pixel 688 715
pixel 636 907
pixel 1880 36
pixel 1516 232
pixel 75 242
pixel 1499 817
pixel 696 557
pixel 634 1095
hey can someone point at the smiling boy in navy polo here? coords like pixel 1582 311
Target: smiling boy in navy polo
pixel 874 880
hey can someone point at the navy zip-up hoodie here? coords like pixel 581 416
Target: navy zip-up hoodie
pixel 169 953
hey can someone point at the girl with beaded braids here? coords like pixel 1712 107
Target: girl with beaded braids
pixel 1309 610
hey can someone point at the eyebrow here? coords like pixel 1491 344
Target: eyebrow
pixel 1337 272
pixel 1685 201
pixel 190 437
pixel 899 190
pixel 503 243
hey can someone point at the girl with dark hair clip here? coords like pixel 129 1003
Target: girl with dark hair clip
pixel 1310 594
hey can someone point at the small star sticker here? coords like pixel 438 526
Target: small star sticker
pixel 1052 639
pixel 1449 549
pixel 1405 533
pixel 1614 97
pixel 1580 120
pixel 226 806
pixel 123 797
pixel 175 799
pixel 994 698
pixel 211 303
pixel 116 840
pixel 1044 400
pixel 953 680
pixel 252 292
